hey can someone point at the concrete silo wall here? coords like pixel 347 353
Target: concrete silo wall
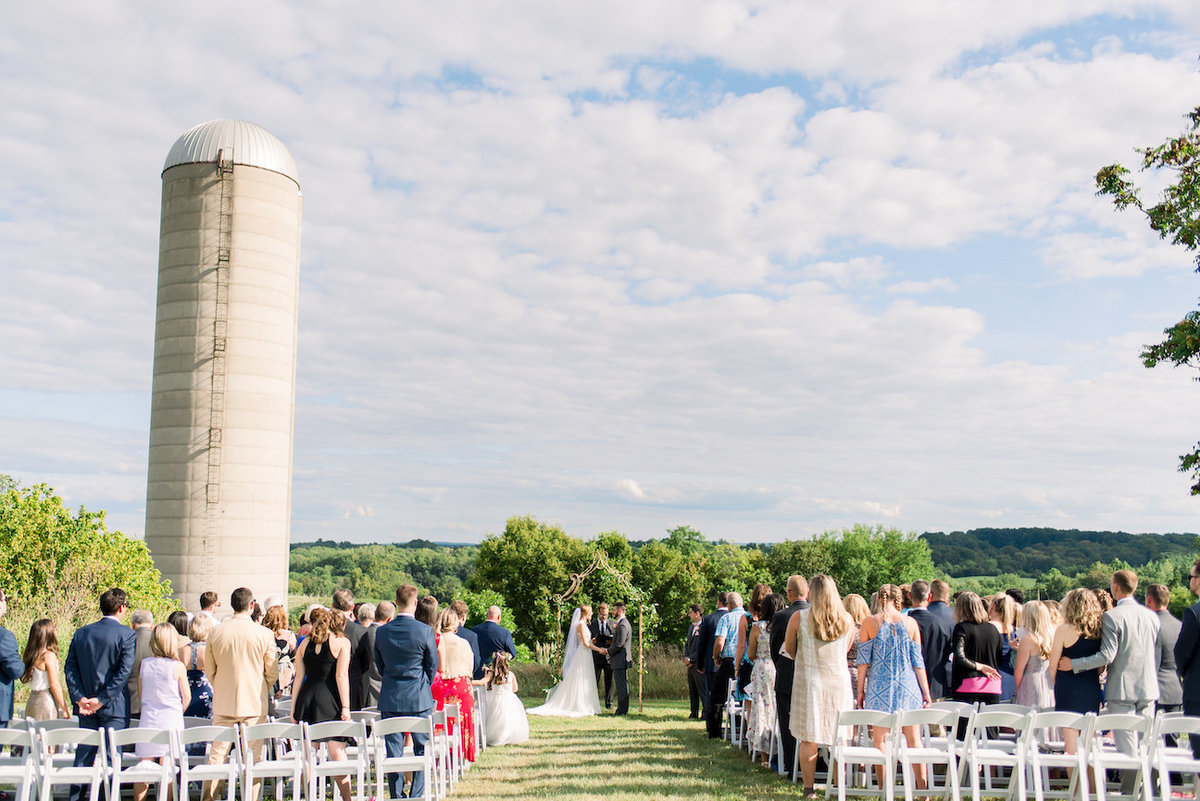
pixel 219 487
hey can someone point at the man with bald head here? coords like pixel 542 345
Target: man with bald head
pixel 797 594
pixel 492 638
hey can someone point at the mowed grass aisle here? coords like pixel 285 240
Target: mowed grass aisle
pixel 655 754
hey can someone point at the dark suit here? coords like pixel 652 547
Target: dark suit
pixel 406 656
pixel 618 660
pixel 784 673
pixel 697 687
pixel 935 647
pixel 602 631
pixel 354 632
pixel 99 663
pixel 1170 691
pixel 472 640
pixel 492 638
pixel 11 669
pixel 364 657
pixel 706 635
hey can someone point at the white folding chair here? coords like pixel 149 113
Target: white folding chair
pixel 1171 750
pixel 732 715
pixel 280 756
pixel 457 757
pixel 19 771
pixel 195 768
pixel 63 754
pixel 480 718
pixel 127 768
pixel 1045 751
pixel 1103 757
pixel 52 772
pixel 368 718
pixel 854 747
pixel 984 755
pixel 931 752
pixel 440 746
pixel 384 764
pixel 321 766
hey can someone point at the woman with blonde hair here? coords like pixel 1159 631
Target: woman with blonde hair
pixel 891 668
pixel 457 661
pixel 163 688
pixel 1002 613
pixel 818 639
pixel 323 681
pixel 858 610
pixel 46 700
pixel 1032 670
pixel 1077 636
pixel 192 656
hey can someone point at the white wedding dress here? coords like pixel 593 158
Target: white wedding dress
pixel 575 696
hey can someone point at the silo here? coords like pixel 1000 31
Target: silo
pixel 218 496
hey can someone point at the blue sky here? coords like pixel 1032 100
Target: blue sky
pixel 765 269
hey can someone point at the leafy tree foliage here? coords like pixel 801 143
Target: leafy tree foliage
pixel 1176 218
pixel 56 563
pixel 372 572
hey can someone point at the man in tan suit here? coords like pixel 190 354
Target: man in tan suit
pixel 242 663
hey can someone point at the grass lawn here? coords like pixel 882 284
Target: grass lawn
pixel 655 754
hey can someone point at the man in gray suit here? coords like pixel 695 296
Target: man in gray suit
pixel 1170 691
pixel 372 679
pixel 142 623
pixel 618 657
pixel 1128 645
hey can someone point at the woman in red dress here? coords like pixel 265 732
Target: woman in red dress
pixel 457 663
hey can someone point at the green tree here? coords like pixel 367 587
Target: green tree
pixel 673 581
pixel 1176 218
pixel 527 564
pixel 56 563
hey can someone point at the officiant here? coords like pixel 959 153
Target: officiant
pixel 602 632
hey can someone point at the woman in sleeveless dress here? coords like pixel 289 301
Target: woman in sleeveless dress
pixel 819 638
pixel 323 681
pixel 760 722
pixel 506 723
pixel 192 655
pixel 46 700
pixel 1032 670
pixel 576 695
pixel 743 657
pixel 891 668
pixel 163 688
pixel 1002 613
pixel 457 662
pixel 1077 636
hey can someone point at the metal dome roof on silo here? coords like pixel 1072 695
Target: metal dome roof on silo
pixel 252 145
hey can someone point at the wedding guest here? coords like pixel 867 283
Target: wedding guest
pixel 1002 613
pixel 493 638
pixel 856 607
pixel 275 620
pixel 456 661
pixel 354 629
pixel 975 642
pixel 192 658
pixel 209 601
pixel 1104 599
pixel 365 654
pixel 891 669
pixel 761 716
pixel 463 611
pixel 426 613
pixel 1055 609
pixel 142 623
pixel 179 619
pixel 46 700
pixel 1170 691
pixel 163 688
pixel 1078 636
pixel 742 657
pixel 819 639
pixel 1032 670
pixel 306 623
pixel 797 596
pixel 935 638
pixel 708 630
pixel 323 682
pixel 505 721
pixel 724 647
pixel 1187 649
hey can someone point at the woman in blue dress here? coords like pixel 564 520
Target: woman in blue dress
pixel 1076 637
pixel 891 669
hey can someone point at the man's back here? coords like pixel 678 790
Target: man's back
pixel 935 647
pixel 1170 691
pixel 1133 669
pixel 492 638
pixel 779 624
pixel 241 661
pixel 406 655
pixel 99 663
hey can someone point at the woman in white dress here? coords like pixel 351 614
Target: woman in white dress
pixel 575 696
pixel 505 714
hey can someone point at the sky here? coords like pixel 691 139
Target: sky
pixel 765 269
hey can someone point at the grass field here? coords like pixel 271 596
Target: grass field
pixel 655 754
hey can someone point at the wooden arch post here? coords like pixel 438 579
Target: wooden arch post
pixel 633 596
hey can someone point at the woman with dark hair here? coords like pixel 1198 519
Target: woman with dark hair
pixel 46 700
pixel 505 721
pixel 760 723
pixel 426 613
pixel 743 657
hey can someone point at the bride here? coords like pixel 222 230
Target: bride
pixel 575 696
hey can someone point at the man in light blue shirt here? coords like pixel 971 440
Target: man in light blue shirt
pixel 724 646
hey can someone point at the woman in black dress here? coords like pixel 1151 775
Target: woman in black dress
pixel 323 681
pixel 1078 636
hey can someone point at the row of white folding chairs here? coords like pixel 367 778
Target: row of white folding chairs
pixel 448 760
pixel 1016 739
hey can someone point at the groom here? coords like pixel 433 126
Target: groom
pixel 618 657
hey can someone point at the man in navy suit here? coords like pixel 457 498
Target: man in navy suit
pixel 406 655
pixel 98 667
pixel 11 666
pixel 460 608
pixel 492 638
pixel 1187 654
pixel 708 630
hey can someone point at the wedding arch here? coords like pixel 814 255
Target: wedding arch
pixel 633 597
